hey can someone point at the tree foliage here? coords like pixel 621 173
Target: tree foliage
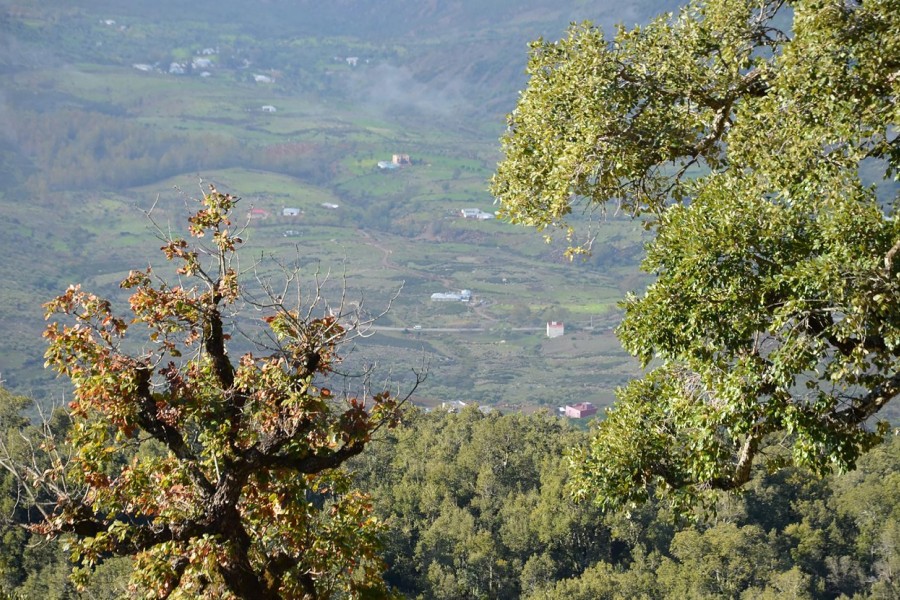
pixel 476 505
pixel 737 131
pixel 218 475
pixel 461 525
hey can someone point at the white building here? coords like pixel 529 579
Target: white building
pixel 555 329
pixel 475 213
pixel 460 296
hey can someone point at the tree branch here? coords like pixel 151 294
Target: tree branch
pixel 171 437
pixel 889 259
pixel 316 462
pixel 214 343
pixel 871 403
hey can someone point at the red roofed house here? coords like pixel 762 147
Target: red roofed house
pixel 555 329
pixel 581 410
pixel 258 213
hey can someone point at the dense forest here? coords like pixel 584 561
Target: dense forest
pixel 476 506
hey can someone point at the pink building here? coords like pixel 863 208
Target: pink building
pixel 581 410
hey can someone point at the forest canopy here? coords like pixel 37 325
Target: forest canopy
pixel 737 132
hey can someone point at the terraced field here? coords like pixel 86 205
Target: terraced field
pixel 91 143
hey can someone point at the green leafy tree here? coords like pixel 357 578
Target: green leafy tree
pixel 720 562
pixel 737 131
pixel 33 567
pixel 219 476
pixel 868 497
pixel 477 505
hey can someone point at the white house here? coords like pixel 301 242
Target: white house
pixel 262 79
pixel 268 108
pixel 460 296
pixel 290 212
pixel 475 213
pixel 555 329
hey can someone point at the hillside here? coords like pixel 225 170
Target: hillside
pixel 111 107
pixel 232 445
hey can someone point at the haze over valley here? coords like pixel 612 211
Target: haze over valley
pixel 109 108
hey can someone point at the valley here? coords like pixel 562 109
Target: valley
pixel 106 114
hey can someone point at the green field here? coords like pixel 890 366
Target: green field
pixel 99 143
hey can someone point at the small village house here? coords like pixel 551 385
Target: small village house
pixel 555 329
pixel 475 213
pixel 581 410
pixel 460 296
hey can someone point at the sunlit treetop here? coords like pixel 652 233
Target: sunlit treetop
pixel 219 474
pixel 738 131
